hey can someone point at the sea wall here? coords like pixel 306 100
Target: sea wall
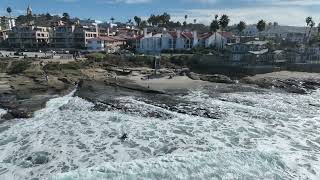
pixel 213 64
pixel 315 68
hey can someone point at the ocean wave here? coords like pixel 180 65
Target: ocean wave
pixel 212 165
pixel 260 135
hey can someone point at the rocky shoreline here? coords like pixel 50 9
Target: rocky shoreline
pixel 24 93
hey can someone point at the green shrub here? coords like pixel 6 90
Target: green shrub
pixel 96 56
pixel 57 66
pixel 19 66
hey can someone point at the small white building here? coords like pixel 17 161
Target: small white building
pixel 218 39
pixel 176 40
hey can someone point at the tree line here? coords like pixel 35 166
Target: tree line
pixel 162 20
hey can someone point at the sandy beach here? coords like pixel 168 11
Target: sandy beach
pixel 164 83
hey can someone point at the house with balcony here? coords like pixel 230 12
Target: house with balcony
pixel 241 51
pixel 172 40
pixel 73 36
pixel 311 54
pixel 29 37
pixel 218 40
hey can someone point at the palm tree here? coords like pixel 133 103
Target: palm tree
pixel 66 17
pixel 311 25
pixel 214 26
pixel 152 20
pixel 112 19
pixel 195 21
pixel 137 20
pixel 241 26
pixel 9 10
pixel 165 17
pixel 224 22
pixel 143 24
pixel 308 21
pixel 261 26
pixel 185 19
pixel 129 22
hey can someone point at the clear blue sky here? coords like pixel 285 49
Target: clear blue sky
pixel 289 12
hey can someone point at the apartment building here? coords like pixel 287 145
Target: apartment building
pixel 240 51
pixel 29 37
pixel 73 36
pixel 6 23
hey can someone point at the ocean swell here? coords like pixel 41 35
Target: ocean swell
pixel 265 135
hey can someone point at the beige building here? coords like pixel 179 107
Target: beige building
pixel 6 23
pixel 72 36
pixel 3 35
pixel 29 37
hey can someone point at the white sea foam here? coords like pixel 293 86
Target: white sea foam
pixel 270 135
pixel 2 112
pixel 213 165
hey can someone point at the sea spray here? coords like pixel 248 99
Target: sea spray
pixel 259 135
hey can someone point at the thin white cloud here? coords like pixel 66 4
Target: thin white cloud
pixel 282 15
pixel 294 2
pixel 264 2
pixel 128 1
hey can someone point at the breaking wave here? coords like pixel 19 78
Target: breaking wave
pixel 266 135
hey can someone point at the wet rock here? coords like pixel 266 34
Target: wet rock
pixel 184 71
pixel 298 86
pixel 39 158
pixel 64 80
pixel 18 113
pixel 26 164
pixel 217 78
pixel 193 76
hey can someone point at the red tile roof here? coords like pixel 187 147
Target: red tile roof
pixel 227 35
pixel 188 35
pixel 173 34
pixel 206 35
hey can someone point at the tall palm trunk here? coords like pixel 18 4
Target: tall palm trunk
pixel 215 39
pixel 309 34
